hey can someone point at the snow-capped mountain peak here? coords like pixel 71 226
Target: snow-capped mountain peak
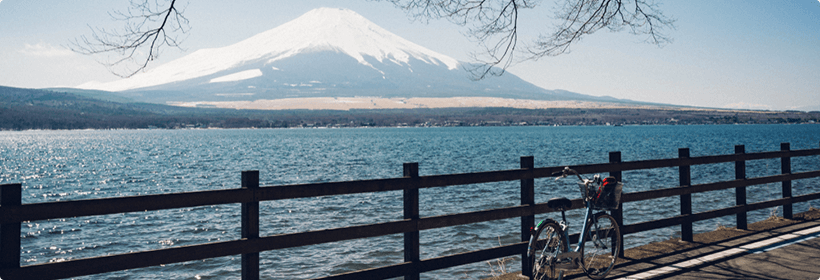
pixel 348 32
pixel 323 29
pixel 326 52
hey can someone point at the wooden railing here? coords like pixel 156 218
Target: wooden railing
pixel 12 213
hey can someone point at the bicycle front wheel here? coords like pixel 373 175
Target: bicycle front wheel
pixel 601 246
pixel 547 243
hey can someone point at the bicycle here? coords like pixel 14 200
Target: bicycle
pixel 598 243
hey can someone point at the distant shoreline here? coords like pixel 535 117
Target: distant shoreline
pixel 349 103
pixel 371 127
pixel 27 109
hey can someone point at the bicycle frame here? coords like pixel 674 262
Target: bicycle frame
pixel 587 219
pixel 572 254
pixel 562 257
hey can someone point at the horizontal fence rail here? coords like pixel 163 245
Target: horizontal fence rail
pixel 13 213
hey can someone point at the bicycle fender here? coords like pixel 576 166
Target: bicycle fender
pixel 542 222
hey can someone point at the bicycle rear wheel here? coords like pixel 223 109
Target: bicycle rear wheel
pixel 601 246
pixel 547 243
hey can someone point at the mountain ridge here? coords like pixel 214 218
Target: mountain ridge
pixel 326 52
pixel 311 35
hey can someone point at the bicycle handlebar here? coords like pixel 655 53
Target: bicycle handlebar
pixel 567 171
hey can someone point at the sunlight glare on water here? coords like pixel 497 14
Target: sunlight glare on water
pixel 75 165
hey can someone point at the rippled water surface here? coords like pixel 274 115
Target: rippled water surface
pixel 72 165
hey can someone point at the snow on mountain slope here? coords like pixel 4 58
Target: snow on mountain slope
pixel 326 52
pixel 323 29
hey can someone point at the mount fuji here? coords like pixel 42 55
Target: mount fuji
pixel 326 52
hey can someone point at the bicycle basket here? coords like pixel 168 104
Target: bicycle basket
pixel 609 199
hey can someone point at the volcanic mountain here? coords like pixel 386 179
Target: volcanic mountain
pixel 326 52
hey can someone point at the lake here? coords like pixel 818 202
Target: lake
pixel 73 165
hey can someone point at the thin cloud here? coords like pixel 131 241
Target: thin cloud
pixel 45 50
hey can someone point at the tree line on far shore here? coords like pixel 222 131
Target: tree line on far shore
pixel 25 109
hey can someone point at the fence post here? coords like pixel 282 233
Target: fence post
pixel 740 192
pixel 250 225
pixel 10 195
pixel 411 211
pixel 685 199
pixel 527 222
pixel 618 214
pixel 786 168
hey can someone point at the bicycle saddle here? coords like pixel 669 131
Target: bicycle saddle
pixel 560 203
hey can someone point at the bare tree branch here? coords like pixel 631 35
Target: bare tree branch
pixel 584 17
pixel 494 25
pixel 149 26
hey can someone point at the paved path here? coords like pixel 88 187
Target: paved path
pixel 791 252
pixel 796 261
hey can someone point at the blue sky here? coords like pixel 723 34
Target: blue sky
pixel 730 53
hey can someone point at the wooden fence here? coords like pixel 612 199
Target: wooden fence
pixel 12 213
